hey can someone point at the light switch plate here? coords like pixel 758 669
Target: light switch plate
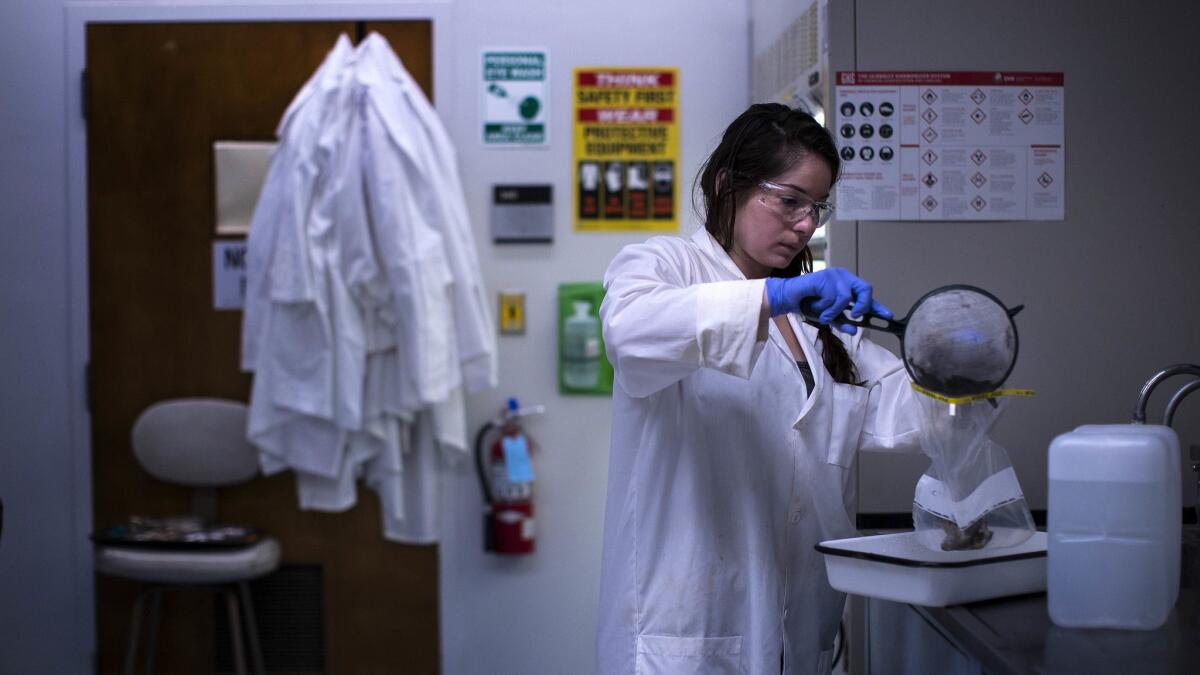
pixel 522 214
pixel 512 312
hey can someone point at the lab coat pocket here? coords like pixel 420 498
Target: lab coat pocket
pixel 671 655
pixel 299 349
pixel 849 412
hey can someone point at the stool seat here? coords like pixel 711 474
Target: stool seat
pixel 199 442
pixel 187 567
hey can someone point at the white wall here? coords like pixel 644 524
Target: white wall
pixel 533 615
pixel 45 597
pixel 538 615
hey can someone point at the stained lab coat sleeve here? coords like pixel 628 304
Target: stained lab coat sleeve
pixel 659 327
pixel 892 421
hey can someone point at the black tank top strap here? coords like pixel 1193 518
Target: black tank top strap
pixel 806 373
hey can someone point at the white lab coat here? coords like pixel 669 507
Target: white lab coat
pixel 400 115
pixel 299 336
pixel 724 471
pixel 277 259
pixel 363 284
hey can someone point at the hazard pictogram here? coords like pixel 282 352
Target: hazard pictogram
pixel 1025 116
pixel 978 96
pixel 1045 179
pixel 929 203
pixel 1025 96
pixel 979 116
pixel 930 157
pixel 978 179
pixel 929 115
pixel 929 180
pixel 979 157
pixel 978 203
pixel 929 96
pixel 929 135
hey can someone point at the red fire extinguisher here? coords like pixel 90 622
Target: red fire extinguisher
pixel 506 477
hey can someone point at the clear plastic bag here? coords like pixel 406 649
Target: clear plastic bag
pixel 969 497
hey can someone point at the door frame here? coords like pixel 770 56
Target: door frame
pixel 78 16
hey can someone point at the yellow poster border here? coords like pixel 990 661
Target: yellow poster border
pixel 615 100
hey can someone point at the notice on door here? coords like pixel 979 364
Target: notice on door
pixel 514 98
pixel 626 152
pixel 950 146
pixel 229 273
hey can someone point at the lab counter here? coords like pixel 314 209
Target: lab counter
pixel 1012 636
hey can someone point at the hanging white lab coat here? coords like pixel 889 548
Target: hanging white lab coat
pixel 298 337
pixel 277 259
pixel 402 119
pixel 419 401
pixel 364 283
pixel 724 471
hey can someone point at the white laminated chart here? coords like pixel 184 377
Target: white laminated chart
pixel 950 146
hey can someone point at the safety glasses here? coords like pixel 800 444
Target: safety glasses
pixel 792 205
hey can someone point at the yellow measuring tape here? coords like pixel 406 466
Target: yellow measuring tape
pixel 973 397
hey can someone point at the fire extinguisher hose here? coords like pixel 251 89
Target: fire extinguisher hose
pixel 480 462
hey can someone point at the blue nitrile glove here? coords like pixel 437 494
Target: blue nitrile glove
pixel 828 292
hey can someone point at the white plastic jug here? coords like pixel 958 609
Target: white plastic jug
pixel 1114 524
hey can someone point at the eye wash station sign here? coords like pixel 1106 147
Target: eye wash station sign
pixel 514 98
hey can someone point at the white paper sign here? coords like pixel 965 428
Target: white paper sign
pixel 950 146
pixel 514 98
pixel 229 274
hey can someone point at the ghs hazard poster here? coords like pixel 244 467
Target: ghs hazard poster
pixel 626 149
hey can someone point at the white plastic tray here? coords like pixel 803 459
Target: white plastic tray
pixel 897 567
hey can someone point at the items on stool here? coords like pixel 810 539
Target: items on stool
pixel 198 443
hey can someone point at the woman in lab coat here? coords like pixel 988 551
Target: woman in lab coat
pixel 735 423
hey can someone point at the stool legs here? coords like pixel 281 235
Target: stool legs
pixel 235 631
pixel 251 628
pixel 152 638
pixel 135 627
pixel 231 594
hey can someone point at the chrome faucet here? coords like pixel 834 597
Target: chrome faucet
pixel 1139 411
pixel 1169 416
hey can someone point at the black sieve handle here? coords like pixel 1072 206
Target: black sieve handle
pixel 876 322
pixel 868 320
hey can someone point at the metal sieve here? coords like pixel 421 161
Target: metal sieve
pixel 956 340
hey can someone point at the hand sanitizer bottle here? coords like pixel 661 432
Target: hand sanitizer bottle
pixel 581 348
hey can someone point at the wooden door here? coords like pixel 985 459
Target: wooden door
pixel 159 95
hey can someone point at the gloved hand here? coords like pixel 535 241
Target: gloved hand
pixel 825 294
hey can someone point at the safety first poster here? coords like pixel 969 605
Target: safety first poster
pixel 626 149
pixel 950 146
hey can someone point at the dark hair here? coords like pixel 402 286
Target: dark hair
pixel 763 142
